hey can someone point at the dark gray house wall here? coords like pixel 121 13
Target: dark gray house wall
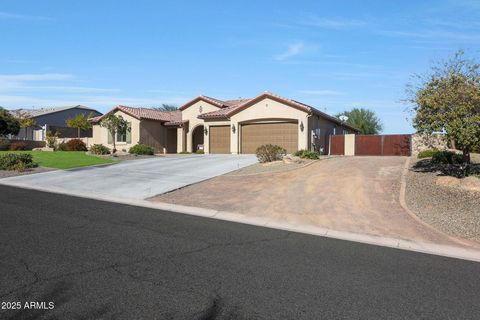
pixel 57 121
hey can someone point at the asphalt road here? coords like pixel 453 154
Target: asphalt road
pixel 98 260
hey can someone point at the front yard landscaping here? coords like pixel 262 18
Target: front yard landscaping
pixel 445 202
pixel 63 159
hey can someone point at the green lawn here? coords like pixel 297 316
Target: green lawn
pixel 63 159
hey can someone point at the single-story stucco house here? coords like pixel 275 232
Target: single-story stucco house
pixel 226 126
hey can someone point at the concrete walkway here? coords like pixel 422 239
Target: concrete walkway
pixel 138 179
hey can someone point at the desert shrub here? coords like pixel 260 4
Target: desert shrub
pixel 310 155
pixel 447 157
pixel 51 139
pixel 99 149
pixel 75 145
pixel 269 153
pixel 4 144
pixel 18 146
pixel 62 146
pixel 299 152
pixel 16 161
pixel 306 154
pixel 426 153
pixel 141 149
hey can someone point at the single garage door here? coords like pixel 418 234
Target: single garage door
pixel 284 134
pixel 220 139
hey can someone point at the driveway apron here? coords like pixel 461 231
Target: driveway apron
pixel 138 179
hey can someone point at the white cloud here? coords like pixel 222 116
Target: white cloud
pixel 23 83
pixel 293 50
pixel 332 23
pixel 35 77
pixel 431 34
pixel 322 92
pixel 9 15
pixel 102 103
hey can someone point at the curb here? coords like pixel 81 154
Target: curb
pixel 402 244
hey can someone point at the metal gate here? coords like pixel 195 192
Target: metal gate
pixel 374 145
pixel 337 145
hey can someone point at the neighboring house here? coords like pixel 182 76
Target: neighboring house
pixel 227 126
pixel 53 119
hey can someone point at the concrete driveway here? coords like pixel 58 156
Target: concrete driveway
pixel 137 179
pixel 352 194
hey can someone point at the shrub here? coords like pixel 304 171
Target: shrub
pixel 62 146
pixel 184 152
pixel 75 145
pixel 4 144
pixel 141 149
pixel 18 146
pixel 299 152
pixel 426 153
pixel 51 138
pixel 200 152
pixel 269 153
pixel 311 155
pixel 99 149
pixel 13 161
pixel 306 154
pixel 447 157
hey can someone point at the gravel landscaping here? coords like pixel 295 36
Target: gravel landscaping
pixel 450 209
pixel 288 164
pixel 271 167
pixel 12 173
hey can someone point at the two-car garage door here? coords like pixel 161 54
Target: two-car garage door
pixel 253 135
pixel 284 134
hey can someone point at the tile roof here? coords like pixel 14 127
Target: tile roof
pixel 235 106
pixel 47 110
pixel 146 114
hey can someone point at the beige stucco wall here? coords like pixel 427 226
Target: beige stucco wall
pixel 349 144
pixel 181 136
pixel 100 134
pixel 191 114
pixel 268 109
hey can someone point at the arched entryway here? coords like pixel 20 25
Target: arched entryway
pixel 197 138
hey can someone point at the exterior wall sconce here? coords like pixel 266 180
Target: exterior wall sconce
pixel 233 128
pixel 205 131
pixel 301 126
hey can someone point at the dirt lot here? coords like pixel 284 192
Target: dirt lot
pixel 356 194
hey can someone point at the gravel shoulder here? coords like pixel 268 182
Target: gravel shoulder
pixel 449 209
pixel 13 173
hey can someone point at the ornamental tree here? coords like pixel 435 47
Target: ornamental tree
pixel 447 100
pixel 115 124
pixel 26 120
pixel 8 123
pixel 80 121
pixel 363 119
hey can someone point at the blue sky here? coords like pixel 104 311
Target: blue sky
pixel 333 56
